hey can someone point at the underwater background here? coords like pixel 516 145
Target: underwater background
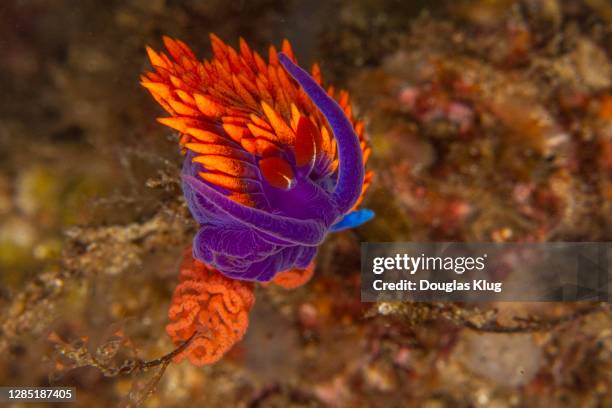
pixel 488 121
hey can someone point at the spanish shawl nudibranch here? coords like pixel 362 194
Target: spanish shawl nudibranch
pixel 273 162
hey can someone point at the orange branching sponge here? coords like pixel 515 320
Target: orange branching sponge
pixel 210 307
pixel 294 278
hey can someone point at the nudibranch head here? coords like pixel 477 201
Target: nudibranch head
pixel 273 162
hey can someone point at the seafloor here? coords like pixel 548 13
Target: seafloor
pixel 489 121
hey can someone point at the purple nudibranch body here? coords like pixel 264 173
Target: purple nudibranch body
pixel 255 243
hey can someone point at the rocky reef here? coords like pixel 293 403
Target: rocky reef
pixel 489 121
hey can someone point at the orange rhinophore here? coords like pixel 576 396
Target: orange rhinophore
pixel 210 307
pixel 294 278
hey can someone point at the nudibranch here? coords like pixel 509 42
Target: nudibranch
pixel 273 162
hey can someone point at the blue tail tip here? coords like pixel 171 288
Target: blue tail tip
pixel 353 219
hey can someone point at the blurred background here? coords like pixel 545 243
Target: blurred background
pixel 489 121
